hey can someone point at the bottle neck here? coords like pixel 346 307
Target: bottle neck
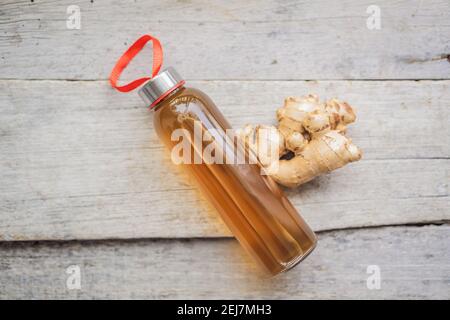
pixel 173 92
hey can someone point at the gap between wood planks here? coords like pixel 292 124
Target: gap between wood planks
pixel 437 223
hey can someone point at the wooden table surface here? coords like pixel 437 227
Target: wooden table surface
pixel 85 182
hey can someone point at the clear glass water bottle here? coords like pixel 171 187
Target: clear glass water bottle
pixel 252 205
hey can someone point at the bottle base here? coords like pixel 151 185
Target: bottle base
pixel 291 264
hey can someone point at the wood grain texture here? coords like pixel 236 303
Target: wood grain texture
pixel 322 39
pixel 413 263
pixel 79 161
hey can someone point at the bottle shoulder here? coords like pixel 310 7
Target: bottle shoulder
pixel 186 96
pixel 190 102
pixel 193 92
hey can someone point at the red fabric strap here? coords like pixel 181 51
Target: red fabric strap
pixel 125 59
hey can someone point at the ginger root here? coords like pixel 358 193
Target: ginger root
pixel 309 140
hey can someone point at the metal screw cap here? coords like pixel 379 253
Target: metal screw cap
pixel 159 86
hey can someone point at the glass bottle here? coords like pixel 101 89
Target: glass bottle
pixel 251 204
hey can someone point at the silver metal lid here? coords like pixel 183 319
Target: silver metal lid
pixel 167 80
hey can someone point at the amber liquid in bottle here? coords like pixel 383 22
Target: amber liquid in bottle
pixel 252 205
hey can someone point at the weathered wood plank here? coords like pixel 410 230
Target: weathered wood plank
pixel 413 263
pixel 230 39
pixel 79 161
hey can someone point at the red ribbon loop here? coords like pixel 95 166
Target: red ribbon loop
pixel 125 59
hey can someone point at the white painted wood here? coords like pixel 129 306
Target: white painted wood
pixel 413 263
pixel 322 39
pixel 80 161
